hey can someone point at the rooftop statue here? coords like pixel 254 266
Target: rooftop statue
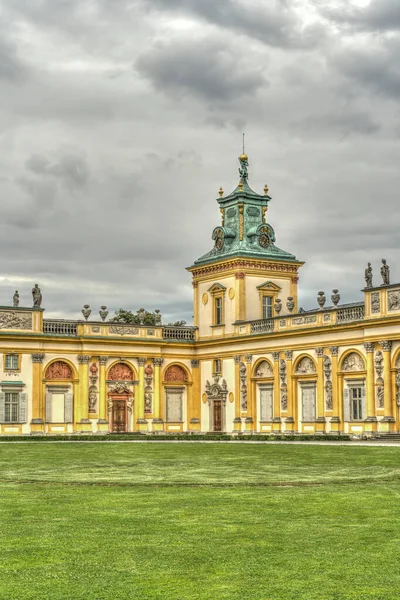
pixel 244 163
pixel 385 272
pixel 16 298
pixel 37 296
pixel 368 276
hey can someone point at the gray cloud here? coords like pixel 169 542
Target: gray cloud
pixel 378 15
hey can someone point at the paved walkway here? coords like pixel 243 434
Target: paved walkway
pixel 316 443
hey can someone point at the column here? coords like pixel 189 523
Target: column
pixel 335 419
pixel 37 422
pixel 276 425
pixel 249 420
pixel 388 418
pixel 240 296
pixel 102 423
pixel 195 420
pixel 82 422
pixel 371 420
pixel 289 420
pixel 320 424
pixel 158 423
pixel 237 422
pixel 141 423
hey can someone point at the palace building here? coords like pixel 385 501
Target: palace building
pixel 253 361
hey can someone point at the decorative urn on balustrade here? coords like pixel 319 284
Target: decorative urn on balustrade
pixel 335 297
pixel 103 312
pixel 321 300
pixel 278 306
pixel 86 311
pixel 290 304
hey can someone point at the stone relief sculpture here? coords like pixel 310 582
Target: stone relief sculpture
pixel 306 366
pixel 15 320
pixel 121 372
pixel 282 370
pixel 385 272
pixel 393 300
pixel 353 362
pixel 119 388
pixel 37 296
pixel 92 399
pixel 216 390
pixel 16 298
pixel 398 387
pixel 148 390
pixel 327 367
pixel 375 302
pixel 243 385
pixel 59 370
pixel 368 276
pixel 124 330
pixel 284 397
pixel 175 373
pixel 380 395
pixel 264 369
pixel 378 361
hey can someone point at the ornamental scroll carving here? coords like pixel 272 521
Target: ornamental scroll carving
pixel 353 362
pixel 327 367
pixel 15 320
pixel 216 391
pixel 243 385
pixel 306 366
pixel 264 369
pixel 120 372
pixel 176 373
pixel 59 370
pixel 393 300
pixel 124 330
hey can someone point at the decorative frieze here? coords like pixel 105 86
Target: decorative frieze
pixel 304 320
pixel 375 302
pixel 15 320
pixel 124 330
pixel 393 300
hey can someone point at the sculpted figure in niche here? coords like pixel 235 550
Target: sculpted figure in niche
pixel 264 370
pixel 380 394
pixel 59 370
pixel 92 400
pixel 149 370
pixel 37 296
pixel 353 362
pixel 368 276
pixel 175 373
pixel 120 372
pixel 306 365
pixel 385 272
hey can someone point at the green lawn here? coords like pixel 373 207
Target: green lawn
pixel 199 521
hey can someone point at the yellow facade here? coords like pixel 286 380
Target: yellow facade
pixel 334 369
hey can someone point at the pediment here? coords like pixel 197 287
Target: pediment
pixel 216 287
pixel 269 285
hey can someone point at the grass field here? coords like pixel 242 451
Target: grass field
pixel 199 521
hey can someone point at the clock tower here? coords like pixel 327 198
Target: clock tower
pixel 245 276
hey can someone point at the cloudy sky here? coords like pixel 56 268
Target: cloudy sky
pixel 120 119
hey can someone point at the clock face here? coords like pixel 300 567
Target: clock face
pixel 219 238
pixel 264 239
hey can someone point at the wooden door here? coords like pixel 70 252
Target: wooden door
pixel 119 416
pixel 217 415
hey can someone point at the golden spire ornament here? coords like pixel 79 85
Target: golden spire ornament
pixel 221 192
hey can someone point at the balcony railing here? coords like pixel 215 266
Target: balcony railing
pixel 59 327
pixel 263 326
pixel 352 313
pixel 178 333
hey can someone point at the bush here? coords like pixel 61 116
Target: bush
pixel 184 437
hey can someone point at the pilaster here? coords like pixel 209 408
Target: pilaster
pixel 276 420
pixel 102 423
pixel 237 423
pixel 141 423
pixel 158 423
pixel 195 404
pixel 37 422
pixel 289 420
pixel 371 420
pixel 82 422
pixel 320 423
pixel 336 421
pixel 388 418
pixel 240 295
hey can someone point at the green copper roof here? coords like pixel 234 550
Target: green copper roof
pixel 244 231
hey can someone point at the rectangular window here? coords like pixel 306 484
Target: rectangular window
pixel 266 402
pixel 12 362
pixel 356 403
pixel 11 407
pixel 267 307
pixel 173 403
pixel 218 311
pixel 308 397
pixel 217 367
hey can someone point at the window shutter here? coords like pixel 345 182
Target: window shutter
pixel 2 407
pixel 346 404
pixel 363 403
pixel 68 405
pixel 48 407
pixel 23 408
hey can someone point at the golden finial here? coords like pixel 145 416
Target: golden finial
pixel 240 185
pixel 265 190
pixel 221 192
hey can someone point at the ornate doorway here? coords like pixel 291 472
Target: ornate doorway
pixel 119 416
pixel 217 415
